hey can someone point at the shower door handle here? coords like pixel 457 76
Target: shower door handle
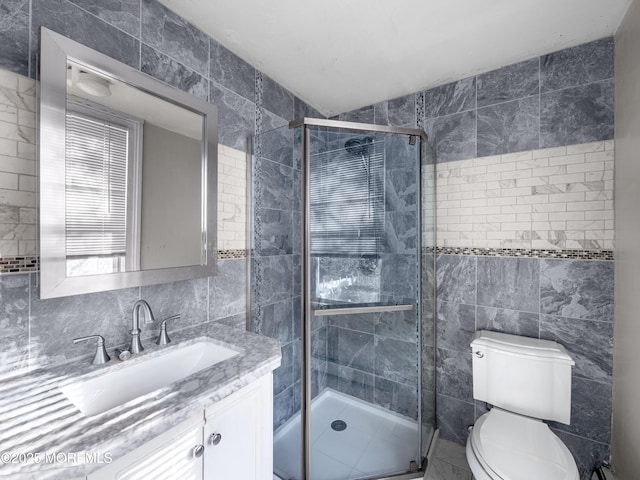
pixel 359 310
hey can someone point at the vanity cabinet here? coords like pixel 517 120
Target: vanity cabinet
pixel 234 447
pixel 232 438
pixel 166 457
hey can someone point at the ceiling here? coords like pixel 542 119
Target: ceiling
pixel 339 55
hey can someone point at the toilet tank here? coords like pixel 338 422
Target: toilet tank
pixel 523 375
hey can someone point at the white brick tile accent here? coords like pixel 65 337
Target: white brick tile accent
pixel 570 178
pixel 484 161
pixel 598 195
pixel 598 215
pixel 484 210
pixel 549 152
pixel 502 218
pixel 532 182
pixel 27 183
pixel 516 174
pixel 516 192
pixel 516 209
pixel 586 148
pixel 547 171
pixel 550 198
pixel 232 198
pixel 461 195
pixel 584 206
pixel 534 163
pixel 27 215
pixel 566 216
pixel 599 156
pixel 8 147
pixel 8 181
pixel 501 167
pixel 17 163
pixel 586 167
pixel 517 157
pixel 539 217
pixel 566 160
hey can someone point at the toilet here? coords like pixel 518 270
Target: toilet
pixel 526 380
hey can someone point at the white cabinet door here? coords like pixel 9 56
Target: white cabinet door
pixel 238 434
pixel 235 443
pixel 167 457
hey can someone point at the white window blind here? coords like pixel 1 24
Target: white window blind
pixel 96 186
pixel 347 201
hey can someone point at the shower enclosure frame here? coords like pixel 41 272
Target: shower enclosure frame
pixel 305 407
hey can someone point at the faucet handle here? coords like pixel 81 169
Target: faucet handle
pixel 101 355
pixel 163 338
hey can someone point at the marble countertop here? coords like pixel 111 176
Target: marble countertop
pixel 44 436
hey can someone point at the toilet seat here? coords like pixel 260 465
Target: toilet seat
pixel 508 446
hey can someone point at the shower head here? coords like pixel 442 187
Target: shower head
pixel 359 146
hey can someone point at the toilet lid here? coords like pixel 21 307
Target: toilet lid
pixel 516 447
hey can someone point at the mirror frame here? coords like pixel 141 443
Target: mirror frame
pixel 55 51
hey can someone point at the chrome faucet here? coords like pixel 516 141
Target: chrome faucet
pixel 163 338
pixel 101 355
pixel 136 345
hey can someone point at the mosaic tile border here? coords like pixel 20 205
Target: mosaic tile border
pixel 232 254
pixel 420 110
pixel 259 96
pixel 529 253
pixel 27 264
pixel 30 264
pixel 19 264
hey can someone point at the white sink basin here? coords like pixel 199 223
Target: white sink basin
pixel 102 393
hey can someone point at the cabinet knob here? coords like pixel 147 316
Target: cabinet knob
pixel 215 438
pixel 198 450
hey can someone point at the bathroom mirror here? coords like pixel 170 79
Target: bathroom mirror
pixel 128 175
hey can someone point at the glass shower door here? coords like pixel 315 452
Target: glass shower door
pixel 363 349
pixel 364 319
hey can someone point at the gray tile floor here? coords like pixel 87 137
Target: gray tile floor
pixel 449 463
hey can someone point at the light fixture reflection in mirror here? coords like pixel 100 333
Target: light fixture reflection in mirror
pixel 125 198
pixel 93 85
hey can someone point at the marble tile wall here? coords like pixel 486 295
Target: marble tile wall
pixel 554 198
pixel 562 98
pixel 374 357
pixel 569 301
pixel 397 112
pixel 40 332
pixel 557 109
pixel 276 246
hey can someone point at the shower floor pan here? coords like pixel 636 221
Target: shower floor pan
pixel 374 442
